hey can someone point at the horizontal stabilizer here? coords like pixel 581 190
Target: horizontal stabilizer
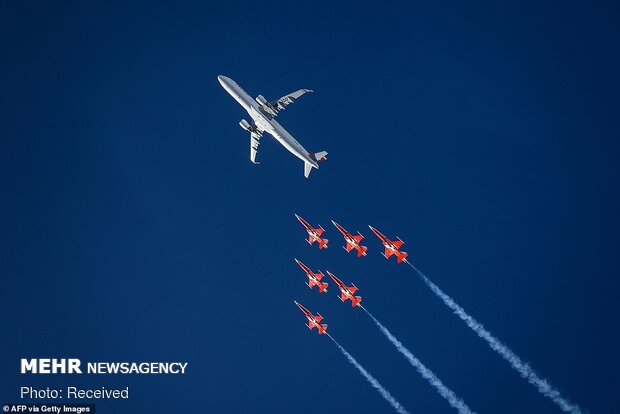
pixel 320 156
pixel 402 256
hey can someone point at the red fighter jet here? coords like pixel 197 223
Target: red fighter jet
pixel 314 235
pixel 314 279
pixel 313 321
pixel 347 291
pixel 391 247
pixel 353 242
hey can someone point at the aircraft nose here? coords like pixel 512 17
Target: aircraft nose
pixel 222 79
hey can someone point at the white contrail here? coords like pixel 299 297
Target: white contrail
pixel 426 373
pixel 522 367
pixel 373 381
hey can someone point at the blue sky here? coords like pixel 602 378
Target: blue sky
pixel 135 228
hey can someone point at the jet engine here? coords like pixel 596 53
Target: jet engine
pixel 261 100
pixel 267 107
pixel 245 125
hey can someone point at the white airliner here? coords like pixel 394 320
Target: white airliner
pixel 263 115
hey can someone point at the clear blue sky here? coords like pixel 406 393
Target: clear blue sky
pixel 135 228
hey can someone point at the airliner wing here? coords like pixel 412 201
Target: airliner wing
pixel 254 143
pixel 286 100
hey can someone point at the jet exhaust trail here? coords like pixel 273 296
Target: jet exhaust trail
pixel 426 373
pixel 523 368
pixel 372 380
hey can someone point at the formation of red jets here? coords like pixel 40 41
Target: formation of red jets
pixel 353 242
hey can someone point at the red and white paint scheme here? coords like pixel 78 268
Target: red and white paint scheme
pixel 314 234
pixel 347 292
pixel 313 321
pixel 314 279
pixel 353 242
pixel 391 246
